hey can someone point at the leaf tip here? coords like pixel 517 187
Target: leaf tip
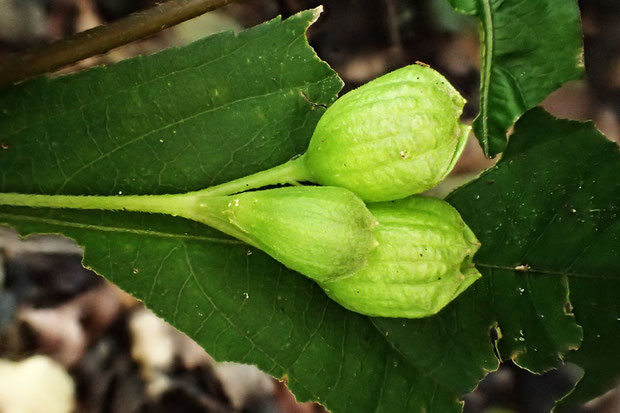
pixel 315 13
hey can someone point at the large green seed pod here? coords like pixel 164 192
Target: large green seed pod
pixel 324 233
pixel 395 136
pixel 423 261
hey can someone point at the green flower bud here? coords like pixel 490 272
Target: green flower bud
pixel 395 136
pixel 324 233
pixel 423 261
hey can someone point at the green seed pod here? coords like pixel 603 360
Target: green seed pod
pixel 423 261
pixel 395 136
pixel 324 233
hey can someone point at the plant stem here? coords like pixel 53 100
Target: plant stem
pixel 207 210
pixel 205 206
pixel 103 38
pixel 162 204
pixel 291 172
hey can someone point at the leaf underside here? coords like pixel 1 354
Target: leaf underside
pixel 529 49
pixel 228 106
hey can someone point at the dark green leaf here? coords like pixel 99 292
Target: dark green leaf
pixel 181 120
pixel 529 49
pixel 454 348
pixel 172 122
pixel 226 107
pixel 547 217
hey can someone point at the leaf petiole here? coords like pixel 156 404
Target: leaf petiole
pixel 291 172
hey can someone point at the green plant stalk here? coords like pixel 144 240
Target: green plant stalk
pixel 291 172
pixel 188 205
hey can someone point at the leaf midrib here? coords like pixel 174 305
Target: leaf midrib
pixel 548 272
pixel 6 217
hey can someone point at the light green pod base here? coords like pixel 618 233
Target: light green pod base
pixel 422 263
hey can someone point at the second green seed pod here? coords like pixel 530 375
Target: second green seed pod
pixel 423 261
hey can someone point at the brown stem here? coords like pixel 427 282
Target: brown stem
pixel 103 38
